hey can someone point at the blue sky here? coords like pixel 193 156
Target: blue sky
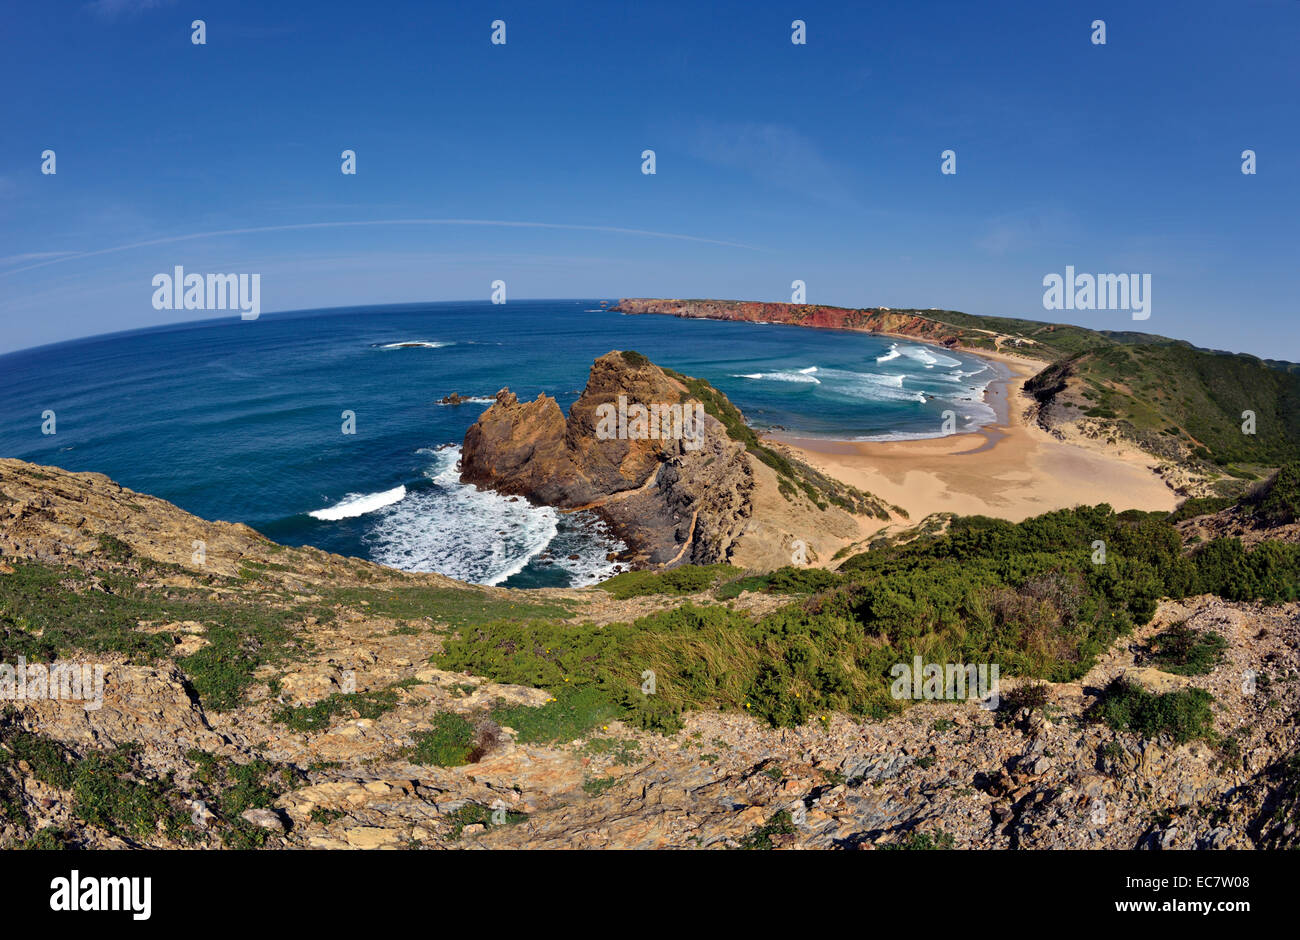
pixel 775 161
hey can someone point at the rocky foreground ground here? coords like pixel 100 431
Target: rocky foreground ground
pixel 321 747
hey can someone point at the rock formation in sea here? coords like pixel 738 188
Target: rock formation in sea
pixel 721 495
pixel 680 499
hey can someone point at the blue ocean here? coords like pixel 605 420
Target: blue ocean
pixel 243 420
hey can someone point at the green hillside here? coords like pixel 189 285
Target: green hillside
pixel 1169 396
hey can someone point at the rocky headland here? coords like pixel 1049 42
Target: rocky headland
pixel 685 484
pixel 1208 422
pixel 816 316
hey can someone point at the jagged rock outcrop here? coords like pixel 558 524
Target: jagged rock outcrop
pixel 669 481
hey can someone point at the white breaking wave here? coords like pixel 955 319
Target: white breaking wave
pixel 413 343
pixel 477 535
pixel 900 436
pixel 585 535
pixel 357 504
pixel 928 358
pixel 892 354
pixel 803 376
pixel 469 401
pixel 870 386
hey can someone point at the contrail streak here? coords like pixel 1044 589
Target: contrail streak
pixel 313 225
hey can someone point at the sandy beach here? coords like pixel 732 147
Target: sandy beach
pixel 1011 469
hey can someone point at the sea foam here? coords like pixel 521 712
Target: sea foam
pixel 357 504
pixel 480 536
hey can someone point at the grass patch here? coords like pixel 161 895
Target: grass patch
pixel 48 611
pixel 473 814
pixel 1186 652
pixel 688 579
pixel 760 839
pixel 321 715
pixel 598 785
pixel 450 742
pixel 573 712
pixel 922 841
pixel 1184 715
pixel 457 607
pixel 50 761
pixel 107 792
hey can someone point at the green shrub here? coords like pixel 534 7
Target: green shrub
pixel 688 579
pixel 474 814
pixel 1186 652
pixel 922 841
pixel 449 742
pixel 1279 502
pixel 761 838
pixel 106 792
pixel 50 761
pixel 574 712
pixel 319 716
pixel 1183 715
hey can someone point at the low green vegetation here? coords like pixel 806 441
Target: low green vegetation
pixel 320 715
pixel 1028 696
pixel 1163 392
pixel 1183 715
pixel 688 579
pixel 473 814
pixel 781 824
pixel 113 790
pixel 787 580
pixel 1026 596
pixel 457 607
pixel 598 785
pixel 1186 652
pixel 50 762
pixel 922 841
pixel 1278 825
pixel 1269 572
pixel 573 712
pixel 727 582
pixel 48 611
pixel 108 792
pixel 1278 503
pixel 1201 506
pixel 449 742
pixel 1274 502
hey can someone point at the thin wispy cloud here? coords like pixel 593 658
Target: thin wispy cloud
pixel 613 230
pixel 775 154
pixel 33 256
pixel 1025 229
pixel 115 9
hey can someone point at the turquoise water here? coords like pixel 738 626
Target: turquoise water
pixel 242 420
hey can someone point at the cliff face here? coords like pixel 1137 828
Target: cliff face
pixel 811 315
pixel 668 479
